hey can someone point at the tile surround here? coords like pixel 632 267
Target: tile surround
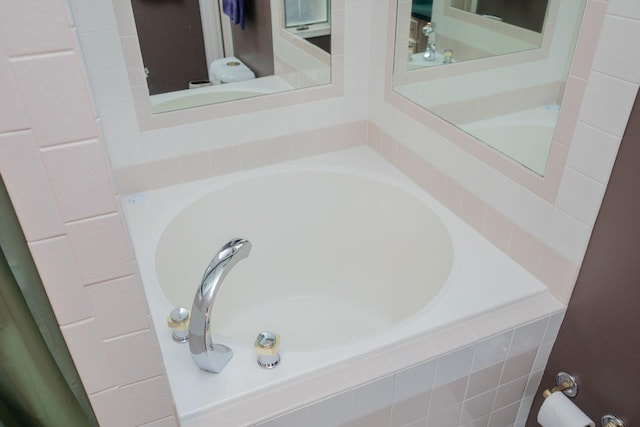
pixel 35 38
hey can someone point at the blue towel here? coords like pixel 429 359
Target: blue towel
pixel 235 10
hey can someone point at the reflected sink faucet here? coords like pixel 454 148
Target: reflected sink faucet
pixel 208 355
pixel 429 30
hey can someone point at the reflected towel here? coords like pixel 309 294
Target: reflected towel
pixel 235 10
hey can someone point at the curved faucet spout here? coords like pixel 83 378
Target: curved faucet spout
pixel 208 355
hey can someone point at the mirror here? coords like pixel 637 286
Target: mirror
pixel 495 69
pixel 205 52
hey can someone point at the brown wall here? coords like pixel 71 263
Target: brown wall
pixel 599 341
pixel 254 44
pixel 170 33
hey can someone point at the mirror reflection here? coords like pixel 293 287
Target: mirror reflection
pixel 495 69
pixel 209 51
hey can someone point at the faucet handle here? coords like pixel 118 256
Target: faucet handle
pixel 178 320
pixel 267 345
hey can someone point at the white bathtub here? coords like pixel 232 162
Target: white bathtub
pixel 188 98
pixel 524 136
pixel 349 256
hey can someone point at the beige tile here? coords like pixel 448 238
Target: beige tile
pixel 89 355
pixel 31 26
pixel 135 357
pixel 80 198
pixel 148 400
pixel 101 248
pixel 61 278
pixel 60 110
pixel 29 187
pixel 119 306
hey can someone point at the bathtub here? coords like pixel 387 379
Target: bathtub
pixel 350 260
pixel 524 136
pixel 189 98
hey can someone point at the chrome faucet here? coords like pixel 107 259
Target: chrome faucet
pixel 429 30
pixel 208 355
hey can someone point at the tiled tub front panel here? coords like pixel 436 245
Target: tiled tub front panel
pixel 482 373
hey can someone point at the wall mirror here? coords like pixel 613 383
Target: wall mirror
pixel 205 52
pixel 495 69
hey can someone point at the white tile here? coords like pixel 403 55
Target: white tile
pixel 332 412
pixel 148 400
pixel 527 338
pixel 491 351
pixel 119 120
pixel 111 85
pixel 372 397
pixel 107 406
pixel 607 103
pixel 567 236
pixel 102 50
pixel 414 381
pixel 628 8
pixel 453 366
pixel 618 60
pixel 542 356
pixel 580 197
pixel 555 323
pixel 135 357
pixel 593 152
pixel 94 15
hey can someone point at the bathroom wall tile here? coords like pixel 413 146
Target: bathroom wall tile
pixel 553 327
pixel 95 15
pixel 148 400
pixel 68 114
pixel 570 110
pixel 410 410
pixel 450 338
pixel 527 338
pixel 567 236
pixel 101 248
pixel 80 198
pixel 379 418
pixel 366 369
pixel 542 356
pixel 119 120
pixel 135 357
pixel 480 422
pixel 226 160
pixel 533 383
pixel 119 306
pixel 518 366
pixel 523 411
pixel 292 419
pixel 477 407
pixel 102 50
pixel 21 167
pixel 123 12
pixel 580 197
pixel 12 113
pixel 472 209
pixel 411 353
pixel 482 381
pixel 558 273
pixel 607 103
pixel 593 152
pixel 504 417
pixel 305 144
pixel 497 228
pixel 277 149
pixel 525 249
pixel 61 278
pixel 252 155
pixel 615 59
pixel 165 422
pixel 592 21
pixel 89 355
pixel 333 138
pixel 332 412
pixel 132 179
pixel 162 173
pixel 280 400
pixel 45 24
pixel 414 381
pixel 372 397
pixel 227 416
pixel 107 406
pixel 447 395
pixel 629 9
pixel 111 85
pixel 453 366
pixel 510 393
pixel 491 351
pixel 445 418
pixel 195 166
pixel 356 133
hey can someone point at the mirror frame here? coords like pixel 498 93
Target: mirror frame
pixel 546 186
pixel 140 92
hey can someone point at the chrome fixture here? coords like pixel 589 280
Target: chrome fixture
pixel 429 30
pixel 267 344
pixel 566 383
pixel 611 420
pixel 178 320
pixel 208 355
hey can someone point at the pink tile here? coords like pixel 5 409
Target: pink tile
pixel 60 110
pixel 196 166
pixel 497 228
pixel 472 209
pixel 101 247
pixel 446 418
pixel 616 60
pixel 555 169
pixel 333 138
pixel 504 417
pixel 571 103
pixel 163 173
pixel 306 144
pixel 589 34
pixel 148 400
pixel 80 198
pixel 119 306
pixel 135 357
pixel 89 355
pixel 252 155
pixel 356 133
pixel 226 160
pixel 558 273
pixel 438 184
pixel 124 18
pixel 389 148
pixel 107 406
pixel 477 407
pixel 12 114
pixel 410 410
pixel 510 392
pixel 28 186
pixel 363 370
pixel 132 179
pixel 61 278
pixel 518 366
pixel 484 380
pixel 420 172
pixel 277 150
pixel 453 195
pixel 31 26
pixel 447 395
pixel 525 249
pixel 374 137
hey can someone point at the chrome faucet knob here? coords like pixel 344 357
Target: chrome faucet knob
pixel 267 345
pixel 178 320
